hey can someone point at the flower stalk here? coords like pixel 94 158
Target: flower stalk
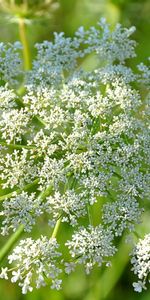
pixel 11 242
pixel 56 228
pixel 25 44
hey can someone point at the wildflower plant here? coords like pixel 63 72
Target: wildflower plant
pixel 70 141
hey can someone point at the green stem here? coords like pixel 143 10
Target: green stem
pixel 42 196
pixel 56 228
pixel 25 188
pixel 15 146
pixel 46 192
pixel 24 41
pixel 11 241
pixel 40 120
pixel 89 209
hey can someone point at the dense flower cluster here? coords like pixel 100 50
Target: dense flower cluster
pixel 10 63
pixel 141 263
pixel 92 245
pixel 36 263
pixel 20 209
pixel 72 140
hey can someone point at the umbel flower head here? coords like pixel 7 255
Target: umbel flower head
pixel 36 262
pixel 27 9
pixel 75 139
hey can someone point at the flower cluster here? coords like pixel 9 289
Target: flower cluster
pixel 92 246
pixel 10 63
pixel 16 169
pixel 121 215
pixel 69 205
pixel 35 264
pixel 141 263
pixel 74 139
pixel 20 209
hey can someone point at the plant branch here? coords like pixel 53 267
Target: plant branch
pixel 56 228
pixel 10 243
pixel 25 188
pixel 17 146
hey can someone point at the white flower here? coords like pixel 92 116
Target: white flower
pixel 138 286
pixel 70 267
pixel 16 275
pixel 3 273
pixel 26 284
pixel 56 284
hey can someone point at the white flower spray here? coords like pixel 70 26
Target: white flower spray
pixel 73 139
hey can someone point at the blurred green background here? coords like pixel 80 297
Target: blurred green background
pixel 43 18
